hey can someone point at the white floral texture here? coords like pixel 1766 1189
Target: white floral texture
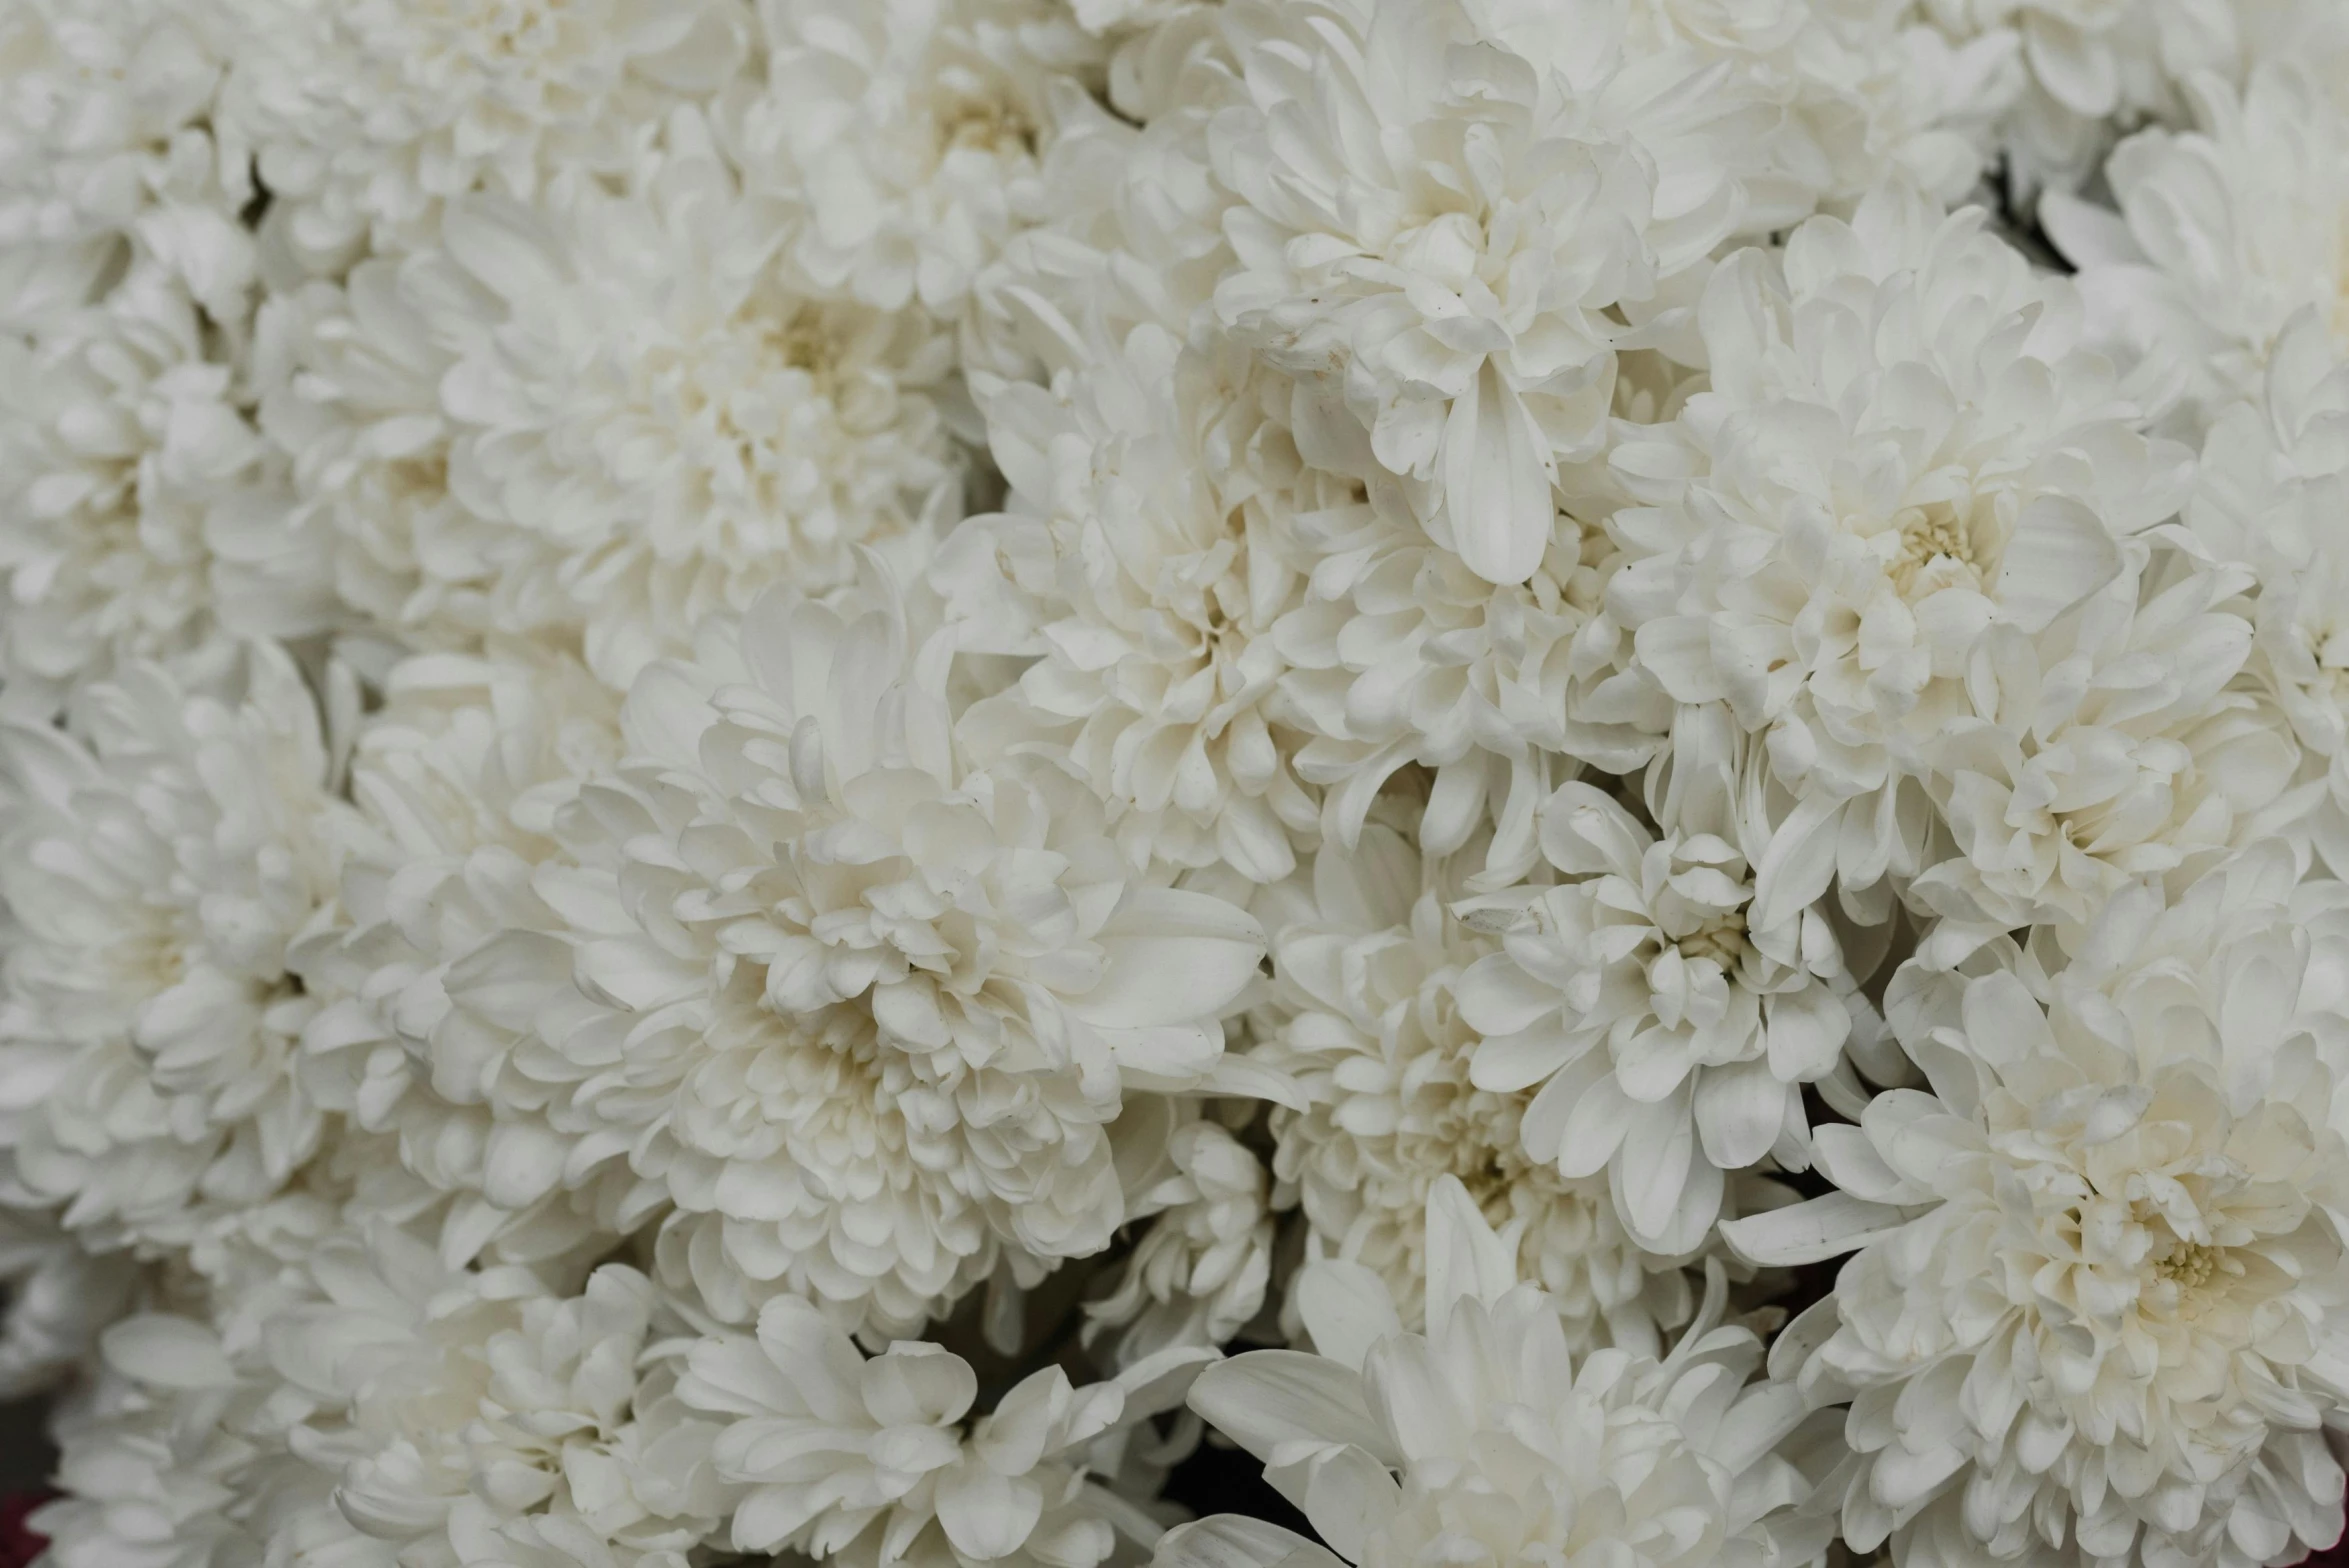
pixel 456 780
pixel 760 759
pixel 2224 231
pixel 1904 454
pixel 1483 1440
pixel 457 1405
pixel 2092 1308
pixel 871 1009
pixel 1870 94
pixel 365 119
pixel 1668 1031
pixel 1156 580
pixel 877 1462
pixel 2272 489
pixel 905 136
pixel 1379 1038
pixel 1438 215
pixel 137 507
pixel 157 862
pixel 2128 750
pixel 2089 67
pixel 105 144
pixel 618 421
pixel 1200 1271
pixel 160 1467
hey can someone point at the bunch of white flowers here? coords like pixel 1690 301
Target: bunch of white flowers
pixel 894 780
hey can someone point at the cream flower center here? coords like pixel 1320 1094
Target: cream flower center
pixel 2190 1265
pixel 989 124
pixel 1939 548
pixel 1721 939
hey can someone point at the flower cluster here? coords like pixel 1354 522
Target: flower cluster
pixel 787 780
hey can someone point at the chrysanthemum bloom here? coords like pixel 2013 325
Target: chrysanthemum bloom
pixel 104 139
pixel 157 859
pixel 138 510
pixel 1903 447
pixel 171 1456
pixel 451 1404
pixel 1387 647
pixel 1151 487
pixel 878 1462
pixel 2098 1309
pixel 2090 69
pixel 905 137
pixel 457 778
pixel 1199 1270
pixel 861 1010
pixel 1401 656
pixel 2224 231
pixel 366 118
pixel 2272 492
pixel 1444 211
pixel 635 424
pixel 2117 744
pixel 1379 1039
pixel 1668 1030
pixel 1869 94
pixel 1482 1440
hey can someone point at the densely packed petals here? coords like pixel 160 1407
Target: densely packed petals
pixel 1483 1439
pixel 2093 1301
pixel 887 780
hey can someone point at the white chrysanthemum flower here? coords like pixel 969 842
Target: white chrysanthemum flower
pixel 2114 746
pixel 2224 231
pixel 172 1457
pixel 638 424
pixel 104 137
pixel 861 1010
pixel 137 513
pixel 348 379
pixel 877 1462
pixel 2272 492
pixel 2097 1314
pixel 1872 94
pixel 1395 653
pixel 904 136
pixel 1482 1441
pixel 1902 446
pixel 1150 489
pixel 157 861
pixel 1377 1038
pixel 1665 1024
pixel 457 779
pixel 365 118
pixel 1198 1273
pixel 2091 68
pixel 1128 233
pixel 443 1396
pixel 1401 655
pixel 1445 210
